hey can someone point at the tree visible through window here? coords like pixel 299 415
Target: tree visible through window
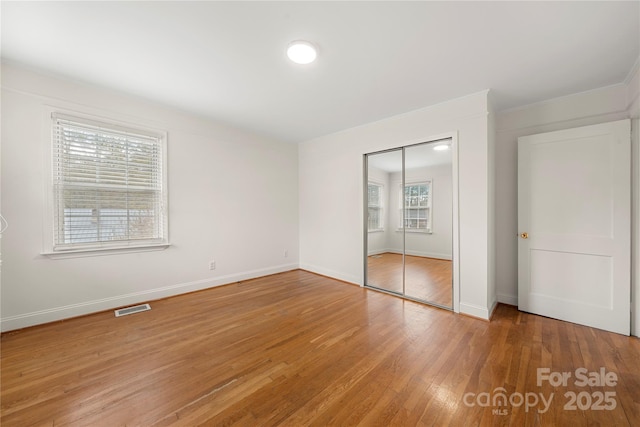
pixel 375 206
pixel 108 185
pixel 417 206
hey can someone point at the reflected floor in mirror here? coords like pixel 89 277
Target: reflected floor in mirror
pixel 427 279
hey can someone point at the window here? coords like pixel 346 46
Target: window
pixel 109 186
pixel 375 207
pixel 417 207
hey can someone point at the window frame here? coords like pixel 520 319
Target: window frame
pixel 50 247
pixel 379 207
pixel 429 208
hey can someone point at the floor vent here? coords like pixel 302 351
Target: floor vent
pixel 131 310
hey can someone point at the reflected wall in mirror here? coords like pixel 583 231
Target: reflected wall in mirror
pixel 384 264
pixel 428 225
pixel 409 244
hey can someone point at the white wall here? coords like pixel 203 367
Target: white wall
pixel 633 100
pixel 635 227
pixel 210 165
pixel 330 170
pixel 597 106
pixel 232 198
pixel 492 297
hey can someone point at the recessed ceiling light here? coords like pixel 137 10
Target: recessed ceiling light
pixel 441 147
pixel 302 52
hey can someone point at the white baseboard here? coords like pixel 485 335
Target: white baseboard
pixel 413 253
pixel 493 309
pixel 331 273
pixel 377 252
pixel 430 255
pixel 475 311
pixel 65 312
pixel 508 299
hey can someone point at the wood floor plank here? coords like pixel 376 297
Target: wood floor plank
pixel 427 279
pixel 298 349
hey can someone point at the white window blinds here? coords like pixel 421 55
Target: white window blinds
pixel 375 206
pixel 108 185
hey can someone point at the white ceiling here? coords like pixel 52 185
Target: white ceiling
pixel 226 60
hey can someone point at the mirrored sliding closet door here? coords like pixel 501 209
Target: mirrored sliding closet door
pixel 409 222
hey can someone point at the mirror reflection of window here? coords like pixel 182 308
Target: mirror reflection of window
pixel 409 222
pixel 375 207
pixel 417 207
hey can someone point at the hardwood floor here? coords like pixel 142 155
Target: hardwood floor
pixel 427 279
pixel 299 349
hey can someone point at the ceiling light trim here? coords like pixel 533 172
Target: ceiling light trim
pixel 302 52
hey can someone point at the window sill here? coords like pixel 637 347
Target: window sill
pixel 413 230
pixel 378 230
pixel 100 251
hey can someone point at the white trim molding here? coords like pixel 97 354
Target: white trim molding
pixel 507 299
pixel 476 311
pixel 332 274
pixel 74 310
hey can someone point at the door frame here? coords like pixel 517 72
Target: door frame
pixel 453 136
pixel 621 218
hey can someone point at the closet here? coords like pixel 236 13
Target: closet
pixel 409 221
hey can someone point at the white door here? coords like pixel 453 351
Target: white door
pixel 574 219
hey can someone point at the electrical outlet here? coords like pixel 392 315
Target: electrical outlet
pixel 286 253
pixel 212 265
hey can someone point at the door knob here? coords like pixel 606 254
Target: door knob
pixel 524 235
